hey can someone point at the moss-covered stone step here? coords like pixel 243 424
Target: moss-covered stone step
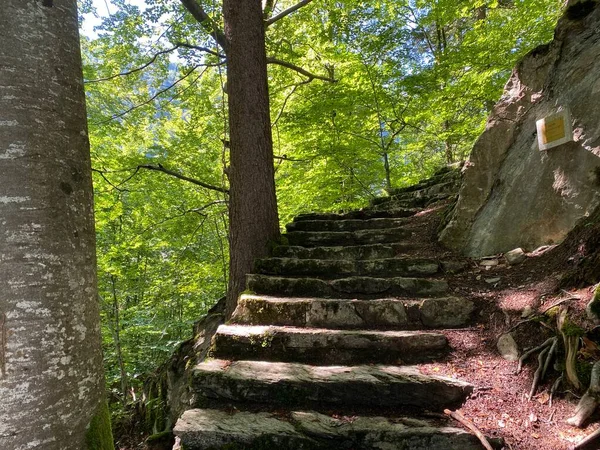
pixel 364 214
pixel 326 346
pixel 337 268
pixel 385 313
pixel 350 287
pixel 373 251
pixel 293 384
pixel 359 237
pixel 203 429
pixel 345 224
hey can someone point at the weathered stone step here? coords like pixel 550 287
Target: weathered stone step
pixel 292 384
pixel 359 237
pixel 373 251
pixel 345 224
pixel 365 214
pixel 326 346
pixel 203 429
pixel 351 287
pixel 387 313
pixel 447 187
pixel 408 201
pixel 332 268
pixel 440 177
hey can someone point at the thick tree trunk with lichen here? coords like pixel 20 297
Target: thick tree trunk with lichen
pixel 253 206
pixel 51 381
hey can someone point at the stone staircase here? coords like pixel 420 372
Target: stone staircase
pixel 324 353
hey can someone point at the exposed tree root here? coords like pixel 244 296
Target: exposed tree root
pixel 467 423
pixel 588 440
pixel 551 354
pixel 538 373
pixel 527 354
pixel 554 389
pixel 590 400
pixel 571 344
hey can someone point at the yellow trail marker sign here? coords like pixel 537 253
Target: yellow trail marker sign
pixel 554 130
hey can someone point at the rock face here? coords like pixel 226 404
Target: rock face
pixel 513 194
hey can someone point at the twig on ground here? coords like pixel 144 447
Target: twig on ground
pixel 537 316
pixel 559 302
pixel 467 423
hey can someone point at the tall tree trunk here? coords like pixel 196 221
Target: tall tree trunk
pixel 51 382
pixel 253 204
pixel 388 175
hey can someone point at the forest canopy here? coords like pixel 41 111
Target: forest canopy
pixel 364 96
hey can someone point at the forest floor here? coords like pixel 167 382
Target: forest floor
pixel 500 406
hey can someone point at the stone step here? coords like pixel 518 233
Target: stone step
pixel 387 313
pixel 345 224
pixel 409 201
pixel 326 346
pixel 365 214
pixel 444 176
pixel 351 287
pixel 203 429
pixel 293 384
pixel 449 187
pixel 335 238
pixel 337 268
pixel 373 251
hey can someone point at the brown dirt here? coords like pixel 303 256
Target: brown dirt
pixel 499 406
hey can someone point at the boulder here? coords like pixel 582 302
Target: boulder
pixel 513 194
pixel 508 347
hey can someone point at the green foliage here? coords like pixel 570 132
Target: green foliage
pixel 99 433
pixel 415 80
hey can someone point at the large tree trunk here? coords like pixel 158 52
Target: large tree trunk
pixel 253 204
pixel 51 382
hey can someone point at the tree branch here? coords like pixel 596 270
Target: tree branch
pixel 287 12
pixel 152 98
pixel 203 49
pixel 197 11
pixel 300 70
pixel 182 214
pixel 160 168
pixel 137 69
pixel 287 97
pixel 286 158
pixel 110 183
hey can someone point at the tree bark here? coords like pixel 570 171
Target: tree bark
pixel 253 204
pixel 51 382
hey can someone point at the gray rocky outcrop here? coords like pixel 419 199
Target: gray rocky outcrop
pixel 513 194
